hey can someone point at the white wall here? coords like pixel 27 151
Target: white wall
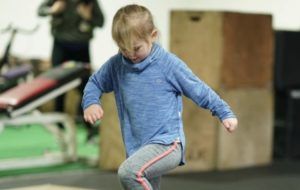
pixel 23 13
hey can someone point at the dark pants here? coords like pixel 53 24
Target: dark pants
pixel 70 51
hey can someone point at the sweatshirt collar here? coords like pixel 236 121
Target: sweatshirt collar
pixel 138 67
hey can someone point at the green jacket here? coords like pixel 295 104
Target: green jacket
pixel 69 25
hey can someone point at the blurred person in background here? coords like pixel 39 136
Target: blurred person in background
pixel 72 26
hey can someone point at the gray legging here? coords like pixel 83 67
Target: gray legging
pixel 143 169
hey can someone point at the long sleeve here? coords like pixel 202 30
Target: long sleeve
pixel 187 83
pixel 99 83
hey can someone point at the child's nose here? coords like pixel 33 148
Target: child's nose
pixel 131 55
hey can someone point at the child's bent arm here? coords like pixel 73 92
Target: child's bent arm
pixel 93 113
pixel 187 83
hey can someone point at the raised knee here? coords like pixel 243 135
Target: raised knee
pixel 125 173
pixel 122 172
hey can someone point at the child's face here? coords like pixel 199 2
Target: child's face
pixel 141 49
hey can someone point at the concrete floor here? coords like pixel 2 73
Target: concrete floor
pixel 284 175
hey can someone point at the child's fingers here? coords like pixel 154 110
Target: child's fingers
pixel 230 126
pixel 90 118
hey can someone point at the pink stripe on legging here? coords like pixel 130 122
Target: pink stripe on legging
pixel 140 172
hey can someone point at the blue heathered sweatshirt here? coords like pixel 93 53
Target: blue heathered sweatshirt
pixel 149 97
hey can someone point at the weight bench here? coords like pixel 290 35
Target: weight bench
pixel 18 107
pixel 13 76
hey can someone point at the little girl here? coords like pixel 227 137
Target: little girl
pixel 148 83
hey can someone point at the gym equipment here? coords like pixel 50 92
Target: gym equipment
pixel 13 77
pixel 10 75
pixel 287 67
pixel 287 95
pixel 18 107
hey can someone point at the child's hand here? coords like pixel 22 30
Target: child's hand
pixel 93 113
pixel 230 124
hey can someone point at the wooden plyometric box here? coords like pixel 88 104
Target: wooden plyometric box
pixel 200 130
pixel 248 45
pixel 229 50
pixel 196 37
pixel 112 152
pixel 251 144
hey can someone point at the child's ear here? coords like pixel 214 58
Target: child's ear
pixel 154 35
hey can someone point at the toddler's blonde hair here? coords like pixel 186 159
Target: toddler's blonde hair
pixel 131 22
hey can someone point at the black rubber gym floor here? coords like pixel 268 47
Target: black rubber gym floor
pixel 281 175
